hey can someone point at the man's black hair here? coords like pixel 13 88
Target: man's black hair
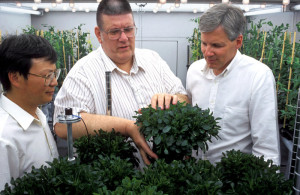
pixel 17 52
pixel 112 7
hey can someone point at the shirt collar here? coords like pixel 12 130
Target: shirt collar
pixel 111 66
pixel 23 118
pixel 209 73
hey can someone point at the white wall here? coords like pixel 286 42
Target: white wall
pixel 13 23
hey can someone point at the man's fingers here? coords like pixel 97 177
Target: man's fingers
pixel 161 101
pixel 144 157
pixel 168 99
pixel 174 99
pixel 144 150
pixel 154 101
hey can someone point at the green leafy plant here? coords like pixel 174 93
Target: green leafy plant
pixel 177 130
pixel 65 177
pixel 70 45
pixel 182 177
pixel 237 173
pixel 247 174
pixel 195 42
pixel 132 187
pixel 90 148
pixel 113 170
pixel 61 177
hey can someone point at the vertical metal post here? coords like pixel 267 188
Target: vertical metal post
pixel 69 119
pixel 108 93
pixel 295 139
pixel 296 186
pixel 70 143
pixel 188 57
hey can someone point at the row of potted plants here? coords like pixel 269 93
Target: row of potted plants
pixel 106 164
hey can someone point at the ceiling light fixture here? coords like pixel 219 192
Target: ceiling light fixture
pixel 19 4
pixel 285 2
pixel 71 4
pixel 225 1
pixel 59 1
pixel 263 5
pixel 295 7
pixel 211 5
pixel 53 4
pixel 19 10
pixel 177 4
pixel 265 11
pixel 47 9
pixel 99 1
pixel 162 1
pixel 183 1
pixel 245 2
pixel 37 1
pixel 34 8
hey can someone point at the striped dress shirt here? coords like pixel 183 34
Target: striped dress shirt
pixel 84 87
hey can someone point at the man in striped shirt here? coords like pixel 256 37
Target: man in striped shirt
pixel 138 77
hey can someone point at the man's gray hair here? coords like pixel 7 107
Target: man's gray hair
pixel 230 17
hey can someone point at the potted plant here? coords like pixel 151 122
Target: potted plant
pixel 177 131
pixel 247 174
pixel 90 148
pixel 182 177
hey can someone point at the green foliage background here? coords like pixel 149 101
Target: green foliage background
pixel 70 45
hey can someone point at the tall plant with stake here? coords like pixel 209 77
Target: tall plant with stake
pixel 70 46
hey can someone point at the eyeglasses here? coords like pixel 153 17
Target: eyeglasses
pixel 49 77
pixel 115 34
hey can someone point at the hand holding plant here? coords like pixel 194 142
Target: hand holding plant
pixel 133 131
pixel 178 130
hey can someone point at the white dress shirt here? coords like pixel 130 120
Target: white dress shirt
pixel 24 141
pixel 244 97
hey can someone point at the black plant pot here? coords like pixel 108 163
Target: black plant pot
pixel 286 133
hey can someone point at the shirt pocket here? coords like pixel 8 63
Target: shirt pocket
pixel 235 120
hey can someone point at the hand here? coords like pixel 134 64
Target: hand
pixel 163 100
pixel 133 131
